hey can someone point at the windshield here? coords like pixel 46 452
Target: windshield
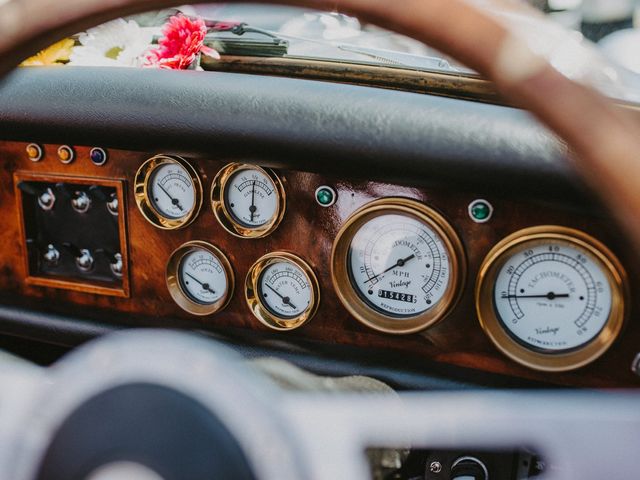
pixel 593 41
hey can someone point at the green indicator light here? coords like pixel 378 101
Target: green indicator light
pixel 480 211
pixel 325 196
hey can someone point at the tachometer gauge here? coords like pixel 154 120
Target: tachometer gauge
pixel 168 192
pixel 551 298
pixel 247 200
pixel 398 266
pixel 282 291
pixel 199 278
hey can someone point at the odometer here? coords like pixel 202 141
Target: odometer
pixel 398 266
pixel 551 298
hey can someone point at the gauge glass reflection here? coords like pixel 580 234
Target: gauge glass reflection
pixel 172 192
pixel 399 265
pixel 285 290
pixel 203 277
pixel 252 198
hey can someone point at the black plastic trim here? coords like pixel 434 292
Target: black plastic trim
pixel 406 372
pixel 355 131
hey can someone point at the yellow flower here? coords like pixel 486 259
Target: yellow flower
pixel 53 55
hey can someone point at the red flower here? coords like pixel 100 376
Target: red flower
pixel 183 39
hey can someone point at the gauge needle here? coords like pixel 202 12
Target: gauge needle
pixel 400 263
pixel 252 208
pixel 202 284
pixel 285 300
pixel 548 296
pixel 175 201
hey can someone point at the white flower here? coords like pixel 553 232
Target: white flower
pixel 114 44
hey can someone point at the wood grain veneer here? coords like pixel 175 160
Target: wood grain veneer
pixel 308 230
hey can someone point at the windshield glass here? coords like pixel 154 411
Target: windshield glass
pixel 593 41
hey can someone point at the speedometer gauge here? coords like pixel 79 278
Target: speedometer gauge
pixel 551 298
pixel 282 291
pixel 199 278
pixel 247 200
pixel 168 192
pixel 398 266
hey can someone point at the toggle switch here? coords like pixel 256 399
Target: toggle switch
pixel 81 202
pixel 84 259
pixel 113 204
pixel 46 197
pixel 115 261
pixel 51 256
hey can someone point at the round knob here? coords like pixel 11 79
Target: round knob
pixel 469 468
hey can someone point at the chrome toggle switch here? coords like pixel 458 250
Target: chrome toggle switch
pixel 117 266
pixel 81 202
pixel 47 200
pixel 115 261
pixel 51 256
pixel 84 259
pixel 113 205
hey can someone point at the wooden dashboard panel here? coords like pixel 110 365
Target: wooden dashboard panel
pixel 308 230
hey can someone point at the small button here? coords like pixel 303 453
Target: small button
pixel 66 154
pixel 34 152
pixel 98 156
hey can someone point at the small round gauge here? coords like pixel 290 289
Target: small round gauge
pixel 168 192
pixel 199 278
pixel 551 298
pixel 282 291
pixel 248 201
pixel 398 266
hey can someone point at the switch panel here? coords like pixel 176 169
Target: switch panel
pixel 73 232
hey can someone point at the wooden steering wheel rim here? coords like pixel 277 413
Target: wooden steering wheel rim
pixel 602 137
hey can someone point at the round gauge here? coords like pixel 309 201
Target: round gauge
pixel 398 266
pixel 551 298
pixel 282 291
pixel 199 278
pixel 168 192
pixel 248 201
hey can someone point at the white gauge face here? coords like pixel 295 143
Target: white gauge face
pixel 285 290
pixel 252 198
pixel 552 295
pixel 399 265
pixel 202 277
pixel 172 192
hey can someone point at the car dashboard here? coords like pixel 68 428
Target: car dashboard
pixel 239 205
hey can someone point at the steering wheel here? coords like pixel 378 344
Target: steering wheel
pixel 102 412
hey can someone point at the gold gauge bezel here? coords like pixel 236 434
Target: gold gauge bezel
pixel 226 217
pixel 175 287
pixel 260 310
pixel 144 202
pixel 530 357
pixel 350 297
